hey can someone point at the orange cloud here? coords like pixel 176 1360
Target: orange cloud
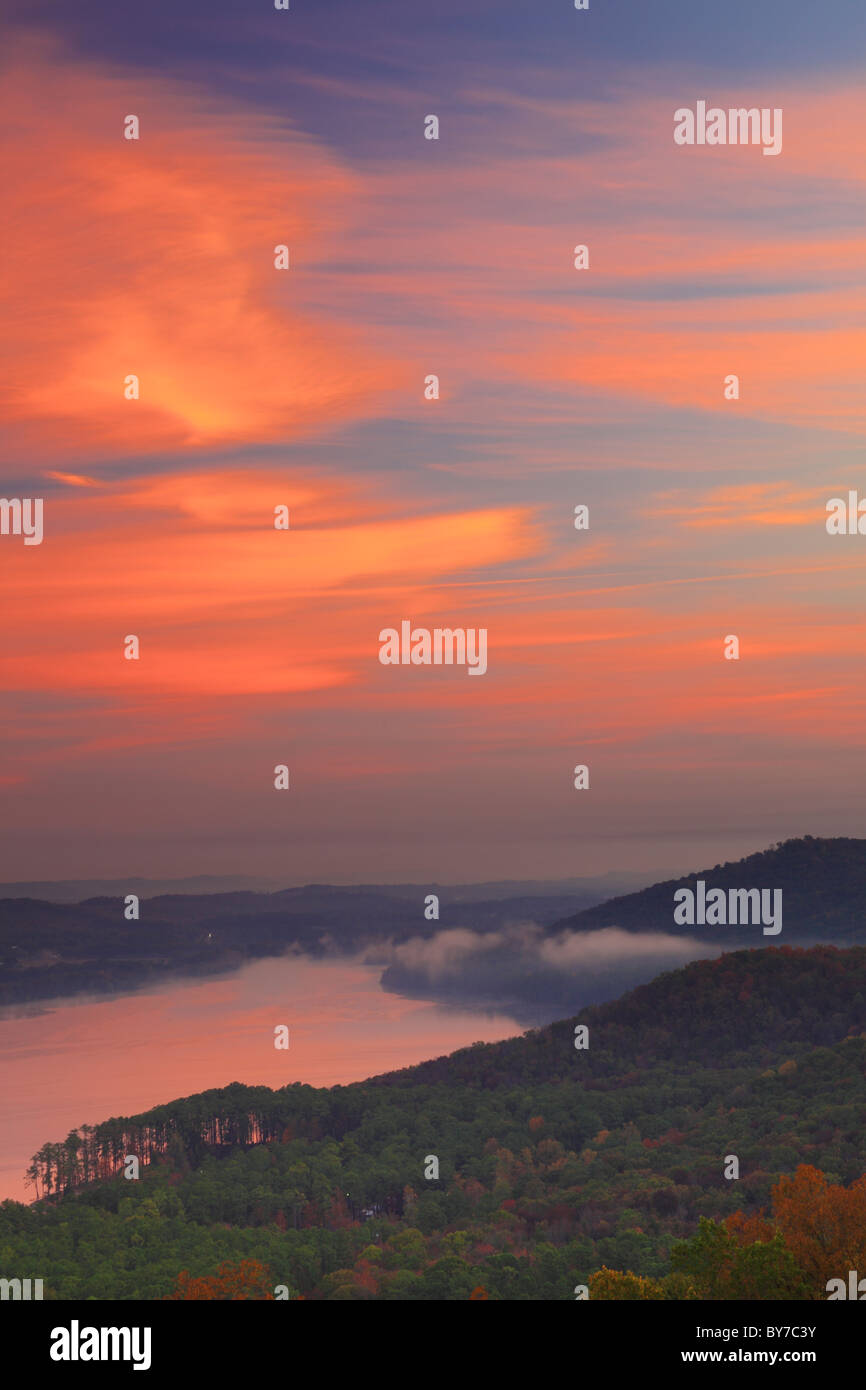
pixel 220 600
pixel 801 363
pixel 155 258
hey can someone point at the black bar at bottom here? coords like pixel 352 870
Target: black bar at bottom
pixel 218 1340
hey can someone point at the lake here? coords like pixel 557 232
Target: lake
pixel 68 1062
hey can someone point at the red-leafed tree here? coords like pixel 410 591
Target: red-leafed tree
pixel 248 1280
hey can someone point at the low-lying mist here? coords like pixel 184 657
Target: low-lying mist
pixel 522 970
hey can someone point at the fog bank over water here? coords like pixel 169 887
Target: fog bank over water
pixel 535 976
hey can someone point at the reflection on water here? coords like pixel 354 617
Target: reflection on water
pixel 64 1063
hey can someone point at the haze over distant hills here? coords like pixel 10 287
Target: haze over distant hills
pixel 54 949
pixel 79 890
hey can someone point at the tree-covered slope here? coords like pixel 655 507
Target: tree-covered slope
pixel 823 883
pixel 552 1161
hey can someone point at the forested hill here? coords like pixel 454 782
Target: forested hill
pixel 823 884
pixel 743 1007
pixel 552 1161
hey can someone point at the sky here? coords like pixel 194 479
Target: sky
pixel 305 388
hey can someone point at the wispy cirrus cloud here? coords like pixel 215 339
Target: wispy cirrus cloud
pixel 204 599
pixel 745 504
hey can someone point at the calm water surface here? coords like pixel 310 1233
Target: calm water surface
pixel 70 1062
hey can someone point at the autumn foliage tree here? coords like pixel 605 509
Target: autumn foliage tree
pixel 823 1225
pixel 248 1280
pixel 747 1229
